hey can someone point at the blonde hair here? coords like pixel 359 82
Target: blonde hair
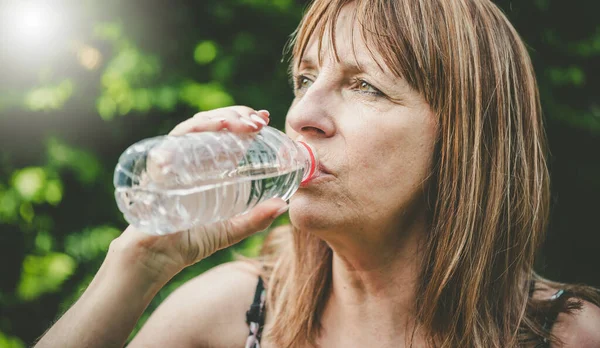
pixel 489 190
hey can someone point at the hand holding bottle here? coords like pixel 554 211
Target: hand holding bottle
pixel 166 255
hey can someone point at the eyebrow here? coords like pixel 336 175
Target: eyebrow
pixel 354 65
pixel 392 85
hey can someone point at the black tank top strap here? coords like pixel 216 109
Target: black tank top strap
pixel 255 316
pixel 548 319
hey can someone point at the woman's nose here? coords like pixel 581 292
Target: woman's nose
pixel 311 116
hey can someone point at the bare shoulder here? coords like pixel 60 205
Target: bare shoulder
pixel 580 329
pixel 207 311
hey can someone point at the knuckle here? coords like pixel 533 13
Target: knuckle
pixel 228 113
pixel 242 109
pixel 192 249
pixel 228 233
pixel 207 240
pixel 177 129
pixel 116 246
pixel 208 115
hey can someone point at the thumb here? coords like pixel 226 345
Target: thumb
pixel 234 230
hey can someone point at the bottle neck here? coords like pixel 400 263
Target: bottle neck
pixel 311 161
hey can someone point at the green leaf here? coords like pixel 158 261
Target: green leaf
pixel 106 107
pixel 49 97
pixel 280 5
pixel 223 69
pixel 205 52
pixel 205 96
pixel 91 242
pixel 44 274
pixel 43 242
pixel 84 164
pixel 10 342
pixel 30 183
pixel 243 42
pixel 54 192
pixel 166 98
pixel 109 31
pixel 142 99
pixel 10 201
pixel 251 246
pixel 572 75
pixel 26 211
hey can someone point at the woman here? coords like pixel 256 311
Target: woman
pixel 420 229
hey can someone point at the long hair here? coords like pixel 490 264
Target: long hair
pixel 488 192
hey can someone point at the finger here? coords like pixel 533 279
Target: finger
pixel 157 164
pixel 238 119
pixel 242 119
pixel 200 125
pixel 265 114
pixel 261 116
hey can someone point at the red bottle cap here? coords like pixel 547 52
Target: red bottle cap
pixel 313 162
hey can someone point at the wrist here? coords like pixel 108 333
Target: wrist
pixel 140 262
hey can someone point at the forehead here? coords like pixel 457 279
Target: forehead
pixel 340 38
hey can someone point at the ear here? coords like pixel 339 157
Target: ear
pixel 581 329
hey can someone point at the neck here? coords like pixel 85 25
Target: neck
pixel 374 283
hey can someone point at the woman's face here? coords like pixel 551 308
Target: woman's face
pixel 374 135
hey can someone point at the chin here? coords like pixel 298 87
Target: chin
pixel 312 214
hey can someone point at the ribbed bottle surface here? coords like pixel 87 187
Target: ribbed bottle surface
pixel 172 183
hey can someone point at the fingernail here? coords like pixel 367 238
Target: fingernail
pixel 258 119
pixel 266 112
pixel 281 211
pixel 248 122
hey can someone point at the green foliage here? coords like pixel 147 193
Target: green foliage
pixel 10 342
pixel 44 241
pixel 43 274
pixel 205 96
pixel 90 243
pixel 31 183
pixel 49 97
pixel 281 5
pixel 205 52
pixel 10 202
pixel 82 163
pixel 129 69
pixel 568 76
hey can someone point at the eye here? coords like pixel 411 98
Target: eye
pixel 365 87
pixel 302 82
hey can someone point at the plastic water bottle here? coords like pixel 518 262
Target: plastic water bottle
pixel 168 184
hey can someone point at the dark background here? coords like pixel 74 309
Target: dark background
pixel 82 80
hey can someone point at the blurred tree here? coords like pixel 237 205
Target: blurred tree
pixel 83 80
pixel 564 42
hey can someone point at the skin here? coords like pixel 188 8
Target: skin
pixel 368 208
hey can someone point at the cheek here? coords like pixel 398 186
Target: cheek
pixel 392 165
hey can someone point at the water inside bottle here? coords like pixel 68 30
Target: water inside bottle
pixel 160 212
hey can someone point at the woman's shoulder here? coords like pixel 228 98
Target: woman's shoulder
pixel 208 310
pixel 579 328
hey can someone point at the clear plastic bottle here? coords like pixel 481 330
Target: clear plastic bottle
pixel 167 184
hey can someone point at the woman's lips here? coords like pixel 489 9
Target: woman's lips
pixel 321 174
pixel 323 169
